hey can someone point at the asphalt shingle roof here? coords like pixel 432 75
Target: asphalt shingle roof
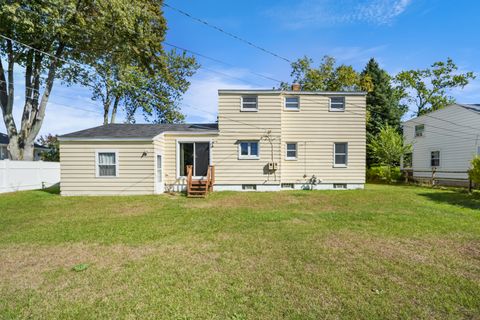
pixel 473 107
pixel 144 130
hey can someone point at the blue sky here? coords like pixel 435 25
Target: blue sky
pixel 400 34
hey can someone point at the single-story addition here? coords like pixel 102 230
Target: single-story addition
pixel 4 154
pixel 265 140
pixel 444 143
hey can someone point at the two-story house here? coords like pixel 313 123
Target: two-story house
pixel 444 142
pixel 265 140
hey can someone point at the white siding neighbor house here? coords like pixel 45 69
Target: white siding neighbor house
pixel 444 142
pixel 265 140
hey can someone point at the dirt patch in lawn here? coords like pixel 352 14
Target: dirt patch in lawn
pixel 26 266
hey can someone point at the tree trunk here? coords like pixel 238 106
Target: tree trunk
pixel 114 109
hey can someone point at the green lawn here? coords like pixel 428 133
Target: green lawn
pixel 387 252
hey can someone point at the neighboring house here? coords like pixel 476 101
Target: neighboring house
pixel 265 140
pixel 444 141
pixel 38 149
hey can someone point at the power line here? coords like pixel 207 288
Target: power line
pixel 226 32
pixel 221 62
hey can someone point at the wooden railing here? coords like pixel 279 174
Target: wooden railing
pixel 189 178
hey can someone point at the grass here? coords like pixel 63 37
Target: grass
pixel 390 252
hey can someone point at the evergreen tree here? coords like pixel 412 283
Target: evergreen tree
pixel 383 104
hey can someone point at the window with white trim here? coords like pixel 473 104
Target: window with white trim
pixel 107 164
pixel 292 103
pixel 337 103
pixel 248 150
pixel 419 130
pixel 291 151
pixel 249 103
pixel 340 154
pixel 435 159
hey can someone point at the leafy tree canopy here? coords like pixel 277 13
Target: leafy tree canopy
pixel 387 147
pixel 428 89
pixel 123 36
pixel 51 142
pixel 327 76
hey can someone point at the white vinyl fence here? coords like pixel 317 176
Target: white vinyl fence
pixel 28 175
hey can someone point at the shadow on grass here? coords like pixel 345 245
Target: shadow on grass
pixel 456 198
pixel 55 189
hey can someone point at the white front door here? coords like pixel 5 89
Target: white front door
pixel 160 185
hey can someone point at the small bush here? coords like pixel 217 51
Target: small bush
pixel 474 172
pixel 384 174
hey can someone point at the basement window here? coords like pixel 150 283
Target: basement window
pixel 339 186
pixel 288 186
pixel 249 187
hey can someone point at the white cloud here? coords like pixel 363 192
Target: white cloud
pixel 327 12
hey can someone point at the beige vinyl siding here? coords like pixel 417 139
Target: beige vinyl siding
pixel 170 153
pixel 315 129
pixel 457 144
pixel 78 168
pixel 235 126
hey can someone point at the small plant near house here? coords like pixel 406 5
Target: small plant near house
pixel 387 150
pixel 474 172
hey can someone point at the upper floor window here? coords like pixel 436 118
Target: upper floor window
pixel 248 150
pixel 291 151
pixel 337 103
pixel 435 159
pixel 292 103
pixel 249 103
pixel 419 130
pixel 340 154
pixel 107 164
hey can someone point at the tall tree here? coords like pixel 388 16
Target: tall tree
pixel 383 104
pixel 428 89
pixel 82 32
pixel 327 76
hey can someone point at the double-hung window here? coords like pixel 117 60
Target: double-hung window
pixel 249 103
pixel 337 103
pixel 435 159
pixel 248 150
pixel 292 103
pixel 107 164
pixel 419 130
pixel 291 151
pixel 340 154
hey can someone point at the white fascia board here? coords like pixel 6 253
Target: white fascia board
pixel 289 92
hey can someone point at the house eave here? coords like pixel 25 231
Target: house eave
pixel 290 92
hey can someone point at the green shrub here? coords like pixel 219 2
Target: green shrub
pixel 384 174
pixel 474 172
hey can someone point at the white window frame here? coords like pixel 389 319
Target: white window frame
pixel 249 109
pixel 439 158
pixel 415 131
pixel 191 140
pixel 285 103
pixel 97 163
pixel 249 156
pixel 340 165
pixel 336 109
pixel 286 151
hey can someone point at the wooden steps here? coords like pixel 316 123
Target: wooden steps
pixel 199 188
